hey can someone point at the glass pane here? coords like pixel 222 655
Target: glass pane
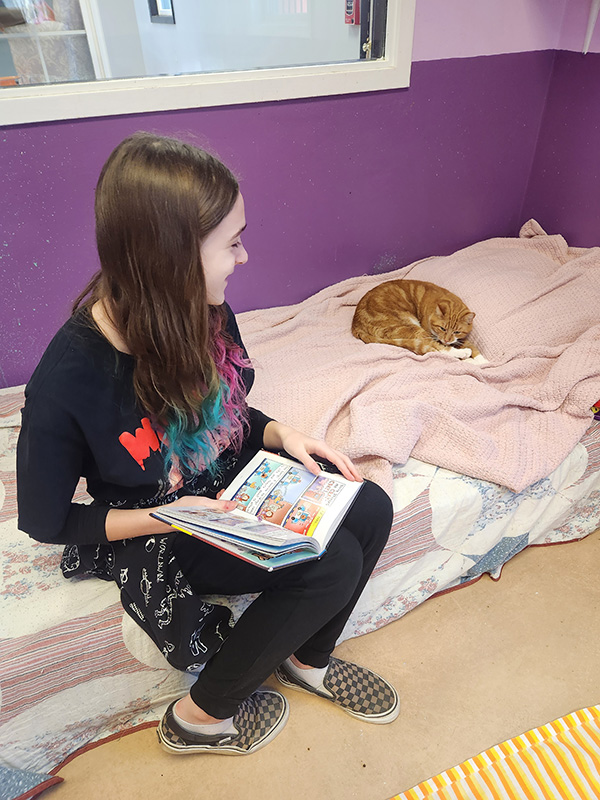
pixel 48 46
pixel 52 44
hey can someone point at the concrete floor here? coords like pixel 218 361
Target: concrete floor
pixel 473 667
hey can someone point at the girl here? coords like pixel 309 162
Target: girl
pixel 143 393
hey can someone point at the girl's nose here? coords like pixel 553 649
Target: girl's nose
pixel 242 255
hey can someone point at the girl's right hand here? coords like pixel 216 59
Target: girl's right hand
pixel 126 523
pixel 193 501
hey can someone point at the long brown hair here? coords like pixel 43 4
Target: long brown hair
pixel 157 199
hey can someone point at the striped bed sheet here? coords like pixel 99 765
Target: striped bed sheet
pixel 75 669
pixel 557 761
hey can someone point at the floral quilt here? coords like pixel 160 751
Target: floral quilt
pixel 75 669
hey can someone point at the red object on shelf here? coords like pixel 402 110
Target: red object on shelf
pixel 352 12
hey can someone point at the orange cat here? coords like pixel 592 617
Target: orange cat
pixel 417 315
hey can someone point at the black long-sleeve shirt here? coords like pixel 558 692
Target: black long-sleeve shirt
pixel 81 419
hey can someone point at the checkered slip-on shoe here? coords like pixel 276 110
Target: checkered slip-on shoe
pixel 258 720
pixel 357 690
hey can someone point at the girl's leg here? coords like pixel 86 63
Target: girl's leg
pixel 300 609
pixel 292 604
pixel 369 521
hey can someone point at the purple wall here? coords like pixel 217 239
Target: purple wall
pixel 564 189
pixel 334 187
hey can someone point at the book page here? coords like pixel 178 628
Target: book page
pixel 287 494
pixel 236 525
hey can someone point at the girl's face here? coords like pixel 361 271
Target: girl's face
pixel 222 251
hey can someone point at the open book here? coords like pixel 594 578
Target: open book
pixel 284 513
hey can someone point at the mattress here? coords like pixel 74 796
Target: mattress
pixel 75 669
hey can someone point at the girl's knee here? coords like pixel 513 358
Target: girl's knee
pixel 379 502
pixel 340 569
pixel 372 514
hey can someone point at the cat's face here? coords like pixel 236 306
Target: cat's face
pixel 448 327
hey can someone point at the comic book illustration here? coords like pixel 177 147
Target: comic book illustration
pixel 284 513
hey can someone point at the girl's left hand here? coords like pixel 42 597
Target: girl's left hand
pixel 300 446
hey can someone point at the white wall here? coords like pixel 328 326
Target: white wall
pixel 463 28
pixel 119 26
pixel 574 27
pixel 244 34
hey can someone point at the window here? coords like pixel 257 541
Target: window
pixel 274 50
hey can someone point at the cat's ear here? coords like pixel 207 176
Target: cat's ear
pixel 441 308
pixel 468 318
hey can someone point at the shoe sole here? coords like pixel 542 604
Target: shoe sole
pixel 380 719
pixel 225 751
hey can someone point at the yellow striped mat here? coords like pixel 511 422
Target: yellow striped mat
pixel 556 761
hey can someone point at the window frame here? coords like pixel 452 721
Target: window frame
pixel 103 98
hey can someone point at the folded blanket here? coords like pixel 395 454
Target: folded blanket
pixel 510 421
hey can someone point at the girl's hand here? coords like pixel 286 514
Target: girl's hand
pixel 301 446
pixel 124 523
pixel 192 501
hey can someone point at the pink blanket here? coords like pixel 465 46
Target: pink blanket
pixel 510 421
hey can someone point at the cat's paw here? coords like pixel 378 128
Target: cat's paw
pixel 480 359
pixel 460 352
